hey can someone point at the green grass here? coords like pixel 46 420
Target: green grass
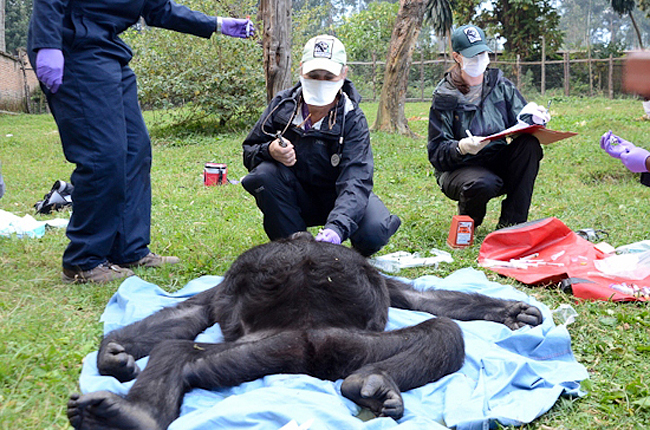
pixel 46 327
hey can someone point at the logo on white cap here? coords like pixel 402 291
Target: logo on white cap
pixel 323 48
pixel 472 35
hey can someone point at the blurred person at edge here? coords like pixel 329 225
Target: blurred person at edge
pixel 2 183
pixel 309 157
pixel 473 101
pixel 82 66
pixel 636 159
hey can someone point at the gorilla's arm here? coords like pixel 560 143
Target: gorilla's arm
pixel 122 347
pixel 463 306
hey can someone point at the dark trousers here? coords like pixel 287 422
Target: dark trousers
pixel 104 135
pixel 512 171
pixel 288 207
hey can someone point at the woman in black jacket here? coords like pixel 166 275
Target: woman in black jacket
pixel 471 102
pixel 310 160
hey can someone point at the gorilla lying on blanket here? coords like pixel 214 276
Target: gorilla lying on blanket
pixel 289 306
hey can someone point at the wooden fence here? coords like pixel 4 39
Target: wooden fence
pixel 572 76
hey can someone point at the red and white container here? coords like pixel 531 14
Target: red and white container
pixel 215 174
pixel 461 232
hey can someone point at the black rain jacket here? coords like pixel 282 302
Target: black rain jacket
pixel 450 117
pixel 351 180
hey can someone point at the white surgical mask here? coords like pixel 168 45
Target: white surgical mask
pixel 320 93
pixel 476 65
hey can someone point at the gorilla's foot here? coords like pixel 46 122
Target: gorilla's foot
pixel 103 410
pixel 113 360
pixel 519 314
pixel 376 391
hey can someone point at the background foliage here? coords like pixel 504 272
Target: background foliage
pixel 366 35
pixel 520 22
pixel 218 81
pixel 17 22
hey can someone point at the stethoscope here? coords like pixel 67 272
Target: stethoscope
pixel 335 159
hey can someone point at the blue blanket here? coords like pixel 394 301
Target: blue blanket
pixel 510 377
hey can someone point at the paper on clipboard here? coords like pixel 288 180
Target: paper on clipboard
pixel 543 134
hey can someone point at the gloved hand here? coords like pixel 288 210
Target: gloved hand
pixel 472 145
pixel 635 159
pixel 235 27
pixel 49 68
pixel 328 235
pixel 614 145
pixel 538 114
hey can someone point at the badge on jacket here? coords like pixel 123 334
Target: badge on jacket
pixel 335 160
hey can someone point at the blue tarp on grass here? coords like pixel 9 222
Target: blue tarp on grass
pixel 509 376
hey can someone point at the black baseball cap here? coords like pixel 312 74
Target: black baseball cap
pixel 469 41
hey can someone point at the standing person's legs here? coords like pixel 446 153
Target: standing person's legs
pixel 280 198
pixel 518 166
pixel 472 187
pixel 89 112
pixel 376 227
pixel 133 235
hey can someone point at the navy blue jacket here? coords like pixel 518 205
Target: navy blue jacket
pixel 96 24
pixel 351 180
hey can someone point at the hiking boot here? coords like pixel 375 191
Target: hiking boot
pixel 152 260
pixel 105 272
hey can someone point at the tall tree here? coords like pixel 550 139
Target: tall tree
pixel 439 13
pixel 16 22
pixel 408 24
pixel 390 113
pixel 627 7
pixel 3 45
pixel 276 41
pixel 520 22
pixel 606 28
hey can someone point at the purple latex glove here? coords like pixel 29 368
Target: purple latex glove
pixel 49 68
pixel 235 27
pixel 634 159
pixel 614 145
pixel 328 235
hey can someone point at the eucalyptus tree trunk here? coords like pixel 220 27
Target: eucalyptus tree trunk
pixel 390 114
pixel 3 44
pixel 275 16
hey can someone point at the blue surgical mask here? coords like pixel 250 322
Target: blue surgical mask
pixel 320 93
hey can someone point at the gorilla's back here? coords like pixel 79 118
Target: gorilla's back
pixel 299 283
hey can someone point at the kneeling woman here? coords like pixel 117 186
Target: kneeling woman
pixel 472 102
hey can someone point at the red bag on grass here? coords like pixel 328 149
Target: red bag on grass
pixel 547 251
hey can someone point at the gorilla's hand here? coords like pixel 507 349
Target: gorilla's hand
pixel 519 314
pixel 377 392
pixel 113 360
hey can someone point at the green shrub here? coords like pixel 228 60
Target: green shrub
pixel 220 80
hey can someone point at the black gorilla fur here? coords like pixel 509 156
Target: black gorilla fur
pixel 289 306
